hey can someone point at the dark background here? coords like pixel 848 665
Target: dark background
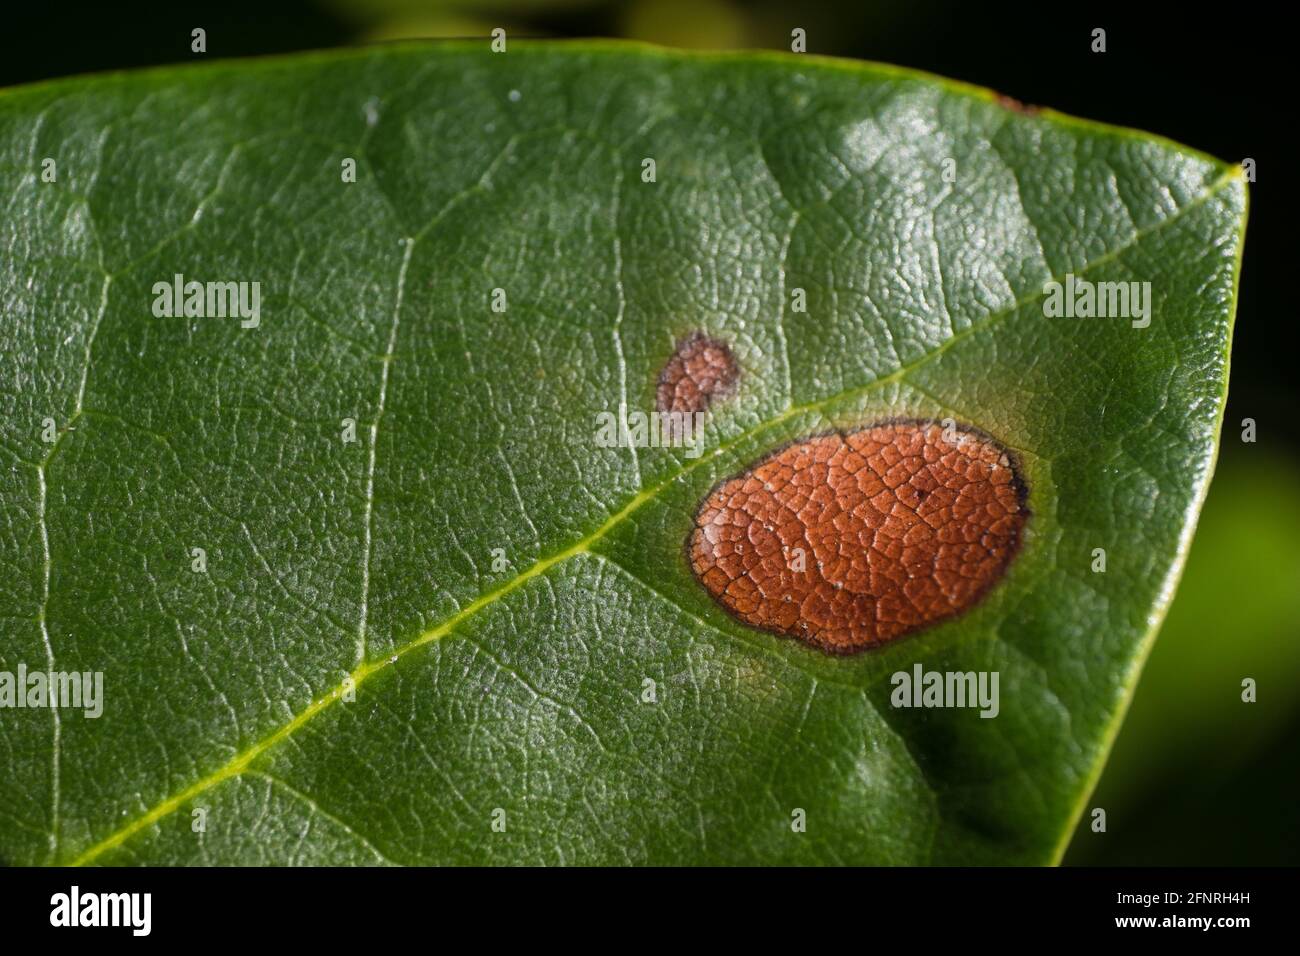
pixel 1197 777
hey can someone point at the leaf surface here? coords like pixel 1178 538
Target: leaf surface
pixel 452 620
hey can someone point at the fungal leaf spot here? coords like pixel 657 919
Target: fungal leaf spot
pixel 700 371
pixel 906 524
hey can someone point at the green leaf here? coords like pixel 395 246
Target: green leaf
pixel 1234 619
pixel 513 680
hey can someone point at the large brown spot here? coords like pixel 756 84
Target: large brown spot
pixel 700 370
pixel 849 540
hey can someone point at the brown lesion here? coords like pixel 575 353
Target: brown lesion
pixel 700 371
pixel 901 525
pixel 1010 103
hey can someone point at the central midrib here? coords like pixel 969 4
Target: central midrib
pixel 238 764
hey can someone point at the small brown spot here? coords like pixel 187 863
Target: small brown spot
pixel 700 371
pixel 849 540
pixel 1009 103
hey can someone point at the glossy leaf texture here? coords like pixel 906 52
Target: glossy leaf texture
pixel 470 635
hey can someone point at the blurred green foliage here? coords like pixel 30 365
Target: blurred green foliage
pixel 692 24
